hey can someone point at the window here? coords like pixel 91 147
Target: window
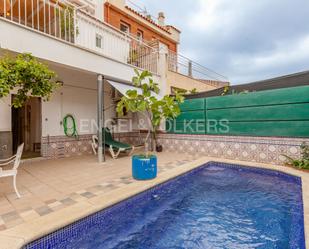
pixel 98 41
pixel 140 35
pixel 124 27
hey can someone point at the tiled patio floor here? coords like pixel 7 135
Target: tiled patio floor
pixel 50 185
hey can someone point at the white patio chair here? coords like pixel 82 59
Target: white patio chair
pixel 95 143
pixel 12 172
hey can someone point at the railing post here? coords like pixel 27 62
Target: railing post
pixel 4 9
pixel 190 68
pixel 75 25
pixel 65 23
pixel 11 10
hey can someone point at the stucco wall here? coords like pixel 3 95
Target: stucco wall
pixel 81 103
pixel 184 82
pixel 5 128
pixel 5 114
pixel 5 144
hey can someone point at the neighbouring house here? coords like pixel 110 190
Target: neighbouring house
pixel 182 73
pixel 94 59
pixel 143 27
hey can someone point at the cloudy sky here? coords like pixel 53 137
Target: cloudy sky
pixel 245 40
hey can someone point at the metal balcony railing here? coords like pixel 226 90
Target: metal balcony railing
pixel 68 23
pixel 183 65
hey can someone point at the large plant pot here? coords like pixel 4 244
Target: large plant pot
pixel 144 168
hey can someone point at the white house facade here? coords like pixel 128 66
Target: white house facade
pixel 86 53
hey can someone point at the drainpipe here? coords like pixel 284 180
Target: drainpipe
pixel 101 156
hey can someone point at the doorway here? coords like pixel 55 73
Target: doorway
pixel 27 127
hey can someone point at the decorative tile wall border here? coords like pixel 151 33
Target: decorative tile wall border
pixel 245 148
pixel 62 146
pixel 254 149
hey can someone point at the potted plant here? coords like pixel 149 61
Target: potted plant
pixel 154 109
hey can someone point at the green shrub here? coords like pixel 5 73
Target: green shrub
pixel 303 162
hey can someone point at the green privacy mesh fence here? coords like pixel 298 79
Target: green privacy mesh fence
pixel 280 112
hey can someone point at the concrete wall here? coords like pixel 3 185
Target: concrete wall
pixel 184 82
pixel 112 45
pixel 5 128
pixel 81 103
pixel 5 114
pixel 99 10
pixel 5 144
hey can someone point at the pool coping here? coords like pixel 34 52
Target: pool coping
pixel 20 235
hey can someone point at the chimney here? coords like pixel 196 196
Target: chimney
pixel 161 19
pixel 118 3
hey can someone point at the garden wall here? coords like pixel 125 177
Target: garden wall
pixel 262 126
pixel 280 112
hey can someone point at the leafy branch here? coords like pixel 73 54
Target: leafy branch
pixel 28 76
pixel 153 108
pixel 303 162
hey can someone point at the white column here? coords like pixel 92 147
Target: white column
pixel 99 11
pixel 100 109
pixel 162 68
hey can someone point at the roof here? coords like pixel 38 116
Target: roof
pixel 148 19
pixel 291 80
pixel 173 27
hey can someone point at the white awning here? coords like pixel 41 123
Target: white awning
pixel 123 88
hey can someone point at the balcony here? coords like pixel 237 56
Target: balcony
pixel 66 22
pixel 180 64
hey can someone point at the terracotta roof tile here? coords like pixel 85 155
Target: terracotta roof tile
pixel 171 26
pixel 148 19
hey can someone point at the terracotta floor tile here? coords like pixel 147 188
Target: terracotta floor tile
pixel 29 215
pixel 2 227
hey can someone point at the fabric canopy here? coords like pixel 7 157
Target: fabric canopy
pixel 123 88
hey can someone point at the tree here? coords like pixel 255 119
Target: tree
pixel 28 76
pixel 153 108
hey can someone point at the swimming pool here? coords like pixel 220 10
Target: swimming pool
pixel 214 206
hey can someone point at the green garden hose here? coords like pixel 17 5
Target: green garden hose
pixel 70 131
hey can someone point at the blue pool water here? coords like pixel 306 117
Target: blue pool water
pixel 215 206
